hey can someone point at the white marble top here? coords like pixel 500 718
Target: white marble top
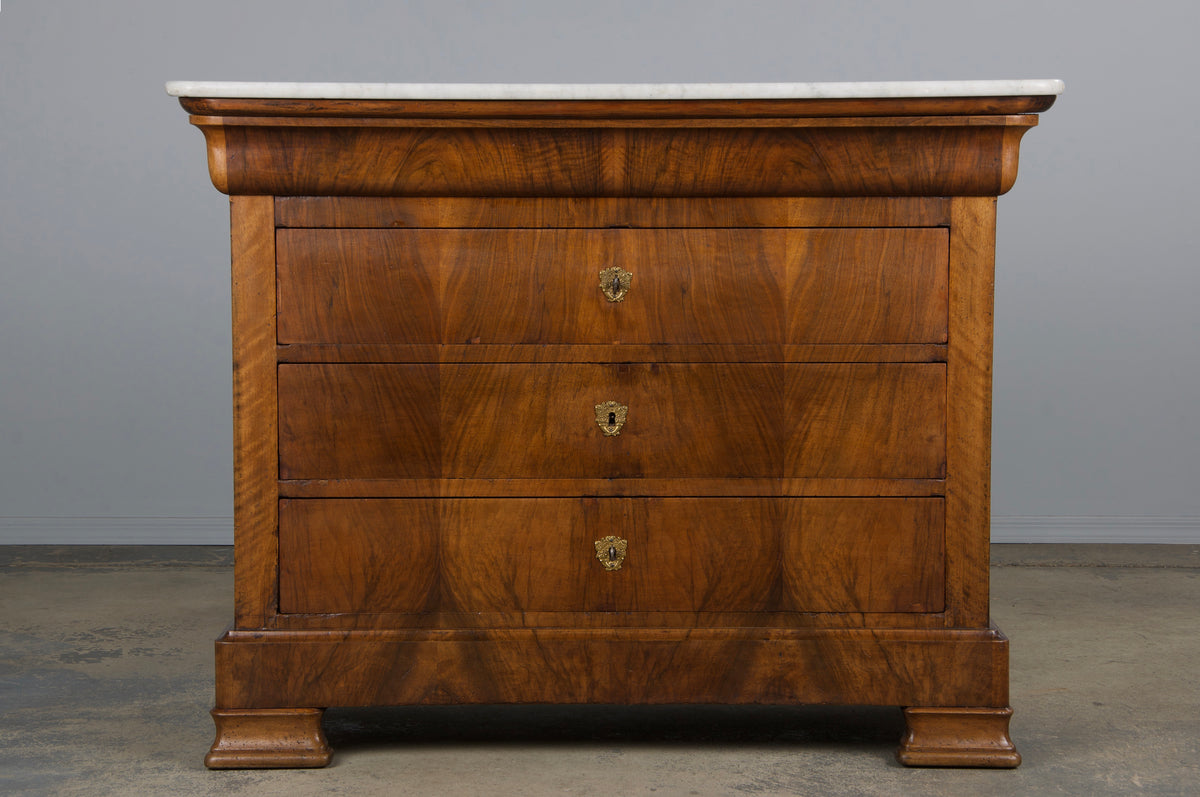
pixel 615 91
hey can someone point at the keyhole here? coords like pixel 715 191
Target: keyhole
pixel 616 284
pixel 612 419
pixel 612 553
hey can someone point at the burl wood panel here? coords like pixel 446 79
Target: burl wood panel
pixel 688 286
pixel 684 555
pixel 618 666
pixel 521 421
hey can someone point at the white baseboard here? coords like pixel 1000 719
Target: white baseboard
pixel 116 531
pixel 1104 528
pixel 219 530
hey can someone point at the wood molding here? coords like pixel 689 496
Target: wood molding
pixel 958 737
pixel 607 212
pixel 691 665
pixel 617 109
pixel 268 738
pixel 795 156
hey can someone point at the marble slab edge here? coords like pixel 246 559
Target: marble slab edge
pixel 615 91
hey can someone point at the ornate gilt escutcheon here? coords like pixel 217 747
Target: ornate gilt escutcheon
pixel 611 552
pixel 615 283
pixel 610 417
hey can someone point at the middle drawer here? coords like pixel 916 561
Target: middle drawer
pixel 673 420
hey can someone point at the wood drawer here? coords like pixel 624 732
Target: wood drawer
pixel 685 420
pixel 730 286
pixel 684 554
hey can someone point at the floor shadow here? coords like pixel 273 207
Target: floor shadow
pixel 811 726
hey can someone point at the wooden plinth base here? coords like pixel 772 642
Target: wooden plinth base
pixel 268 738
pixel 266 679
pixel 958 737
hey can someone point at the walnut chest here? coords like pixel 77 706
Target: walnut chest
pixel 609 398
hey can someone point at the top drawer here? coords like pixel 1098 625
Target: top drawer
pixel 687 286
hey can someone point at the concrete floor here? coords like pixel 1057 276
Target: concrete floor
pixel 106 679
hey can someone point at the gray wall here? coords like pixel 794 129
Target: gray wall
pixel 114 317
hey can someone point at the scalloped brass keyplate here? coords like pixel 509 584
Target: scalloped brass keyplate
pixel 615 282
pixel 611 552
pixel 610 417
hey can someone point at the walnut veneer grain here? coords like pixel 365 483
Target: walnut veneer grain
pixel 485 555
pixel 519 421
pixel 800 487
pixel 689 286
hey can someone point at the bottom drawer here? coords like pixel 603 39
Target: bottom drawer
pixel 540 554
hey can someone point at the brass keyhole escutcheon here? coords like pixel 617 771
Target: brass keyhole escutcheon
pixel 611 552
pixel 610 417
pixel 615 282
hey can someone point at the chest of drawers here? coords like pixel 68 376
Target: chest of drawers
pixel 612 401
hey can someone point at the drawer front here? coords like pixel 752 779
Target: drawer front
pixel 867 286
pixel 682 554
pixel 521 421
pixel 688 286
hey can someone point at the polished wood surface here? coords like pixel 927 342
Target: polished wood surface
pixel 863 555
pixel 270 738
pixel 802 480
pixel 599 621
pixel 695 487
pixel 518 421
pixel 255 411
pixel 967 156
pixel 969 418
pixel 613 665
pixel 883 420
pixel 385 286
pixel 608 353
pixel 866 286
pixel 607 212
pixel 537 555
pixel 736 286
pixel 958 737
